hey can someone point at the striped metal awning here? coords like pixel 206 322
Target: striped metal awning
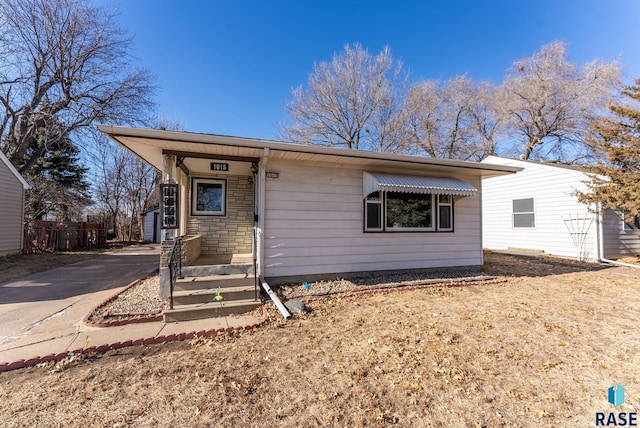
pixel 374 182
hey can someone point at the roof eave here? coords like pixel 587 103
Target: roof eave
pixel 120 134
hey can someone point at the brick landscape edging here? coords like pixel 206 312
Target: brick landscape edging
pixel 116 323
pixel 20 364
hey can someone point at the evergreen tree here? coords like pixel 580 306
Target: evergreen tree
pixel 617 138
pixel 60 189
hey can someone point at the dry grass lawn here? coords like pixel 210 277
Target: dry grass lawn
pixel 539 349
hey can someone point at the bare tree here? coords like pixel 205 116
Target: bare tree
pixel 64 64
pixel 109 187
pixel 349 102
pixel 550 101
pixel 486 119
pixel 423 116
pixel 124 187
pixel 454 120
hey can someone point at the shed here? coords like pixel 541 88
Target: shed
pixel 537 209
pixel 151 226
pixel 12 189
pixel 309 211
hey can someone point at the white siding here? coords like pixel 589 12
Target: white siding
pixel 314 225
pixel 149 227
pixel 618 242
pixel 552 189
pixel 11 211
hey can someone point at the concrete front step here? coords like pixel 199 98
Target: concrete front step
pixel 205 295
pixel 226 269
pixel 215 281
pixel 210 310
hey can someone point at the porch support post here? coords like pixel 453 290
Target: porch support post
pixel 261 182
pixel 169 177
pixel 183 180
pixel 167 235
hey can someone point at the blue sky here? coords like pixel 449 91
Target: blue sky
pixel 228 67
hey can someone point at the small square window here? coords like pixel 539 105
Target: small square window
pixel 208 197
pixel 523 213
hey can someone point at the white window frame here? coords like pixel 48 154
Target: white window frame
pixel 514 213
pixel 447 203
pixel 194 197
pixel 379 205
pixel 435 214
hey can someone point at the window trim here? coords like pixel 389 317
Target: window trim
pixel 194 195
pixel 380 205
pixel 439 217
pixel 514 213
pixel 435 215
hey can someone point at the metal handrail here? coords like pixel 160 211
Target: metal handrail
pixel 175 266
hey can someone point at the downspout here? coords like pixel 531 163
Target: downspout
pixel 260 241
pixel 601 242
pixel 282 308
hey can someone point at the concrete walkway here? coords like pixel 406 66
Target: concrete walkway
pixel 42 314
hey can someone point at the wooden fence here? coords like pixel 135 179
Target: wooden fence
pixel 42 235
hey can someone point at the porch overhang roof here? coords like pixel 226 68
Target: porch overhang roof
pixel 151 145
pixel 374 182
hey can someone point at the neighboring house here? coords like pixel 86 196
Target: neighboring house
pixel 537 209
pixel 12 187
pixel 151 226
pixel 311 211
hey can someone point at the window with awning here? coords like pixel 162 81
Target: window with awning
pixel 411 203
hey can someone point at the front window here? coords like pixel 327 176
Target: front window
pixel 208 196
pixel 407 212
pixel 523 213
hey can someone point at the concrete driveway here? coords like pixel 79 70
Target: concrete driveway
pixel 51 305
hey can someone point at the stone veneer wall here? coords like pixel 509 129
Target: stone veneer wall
pixel 190 250
pixel 232 233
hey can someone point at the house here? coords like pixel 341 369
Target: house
pixel 537 209
pixel 150 226
pixel 12 188
pixel 306 212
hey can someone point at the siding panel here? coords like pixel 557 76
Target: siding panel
pixel 619 242
pixel 11 211
pixel 314 225
pixel 552 189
